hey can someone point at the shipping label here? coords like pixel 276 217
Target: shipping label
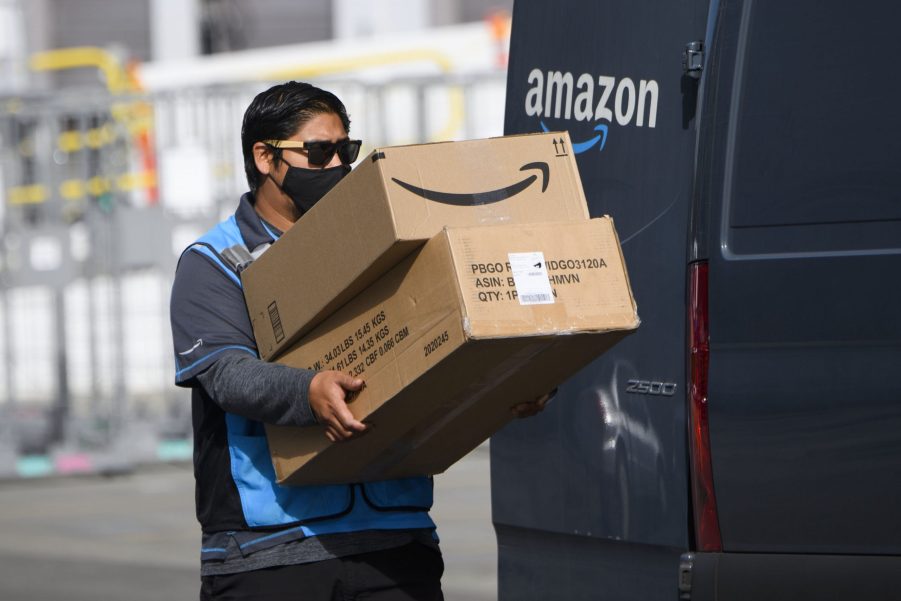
pixel 530 278
pixel 497 281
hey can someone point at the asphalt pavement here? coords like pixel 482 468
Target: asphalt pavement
pixel 134 537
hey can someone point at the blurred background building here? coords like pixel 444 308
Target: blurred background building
pixel 120 144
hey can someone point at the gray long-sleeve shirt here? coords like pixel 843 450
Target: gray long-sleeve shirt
pixel 261 391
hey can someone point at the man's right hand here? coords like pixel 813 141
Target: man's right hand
pixel 328 391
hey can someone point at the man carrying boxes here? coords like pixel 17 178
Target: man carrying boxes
pixel 262 539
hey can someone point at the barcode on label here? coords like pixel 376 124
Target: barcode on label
pixel 537 298
pixel 530 278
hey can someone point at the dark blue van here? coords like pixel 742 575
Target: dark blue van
pixel 745 443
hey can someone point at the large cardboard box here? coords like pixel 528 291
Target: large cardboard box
pixel 476 321
pixel 394 201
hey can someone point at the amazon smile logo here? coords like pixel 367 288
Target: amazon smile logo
pixel 602 99
pixel 580 147
pixel 468 199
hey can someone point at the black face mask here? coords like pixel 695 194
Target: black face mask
pixel 306 186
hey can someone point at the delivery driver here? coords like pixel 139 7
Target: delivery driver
pixel 371 540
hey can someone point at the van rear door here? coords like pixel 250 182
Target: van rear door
pixel 805 277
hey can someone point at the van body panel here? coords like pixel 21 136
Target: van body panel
pixel 602 470
pixel 782 171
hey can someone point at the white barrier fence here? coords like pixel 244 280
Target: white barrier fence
pixel 98 195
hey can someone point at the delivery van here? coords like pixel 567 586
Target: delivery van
pixel 745 442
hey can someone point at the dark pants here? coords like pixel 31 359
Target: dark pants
pixel 409 573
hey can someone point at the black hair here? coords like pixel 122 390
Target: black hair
pixel 277 114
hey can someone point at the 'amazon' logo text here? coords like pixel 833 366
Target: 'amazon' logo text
pixel 559 95
pixel 481 198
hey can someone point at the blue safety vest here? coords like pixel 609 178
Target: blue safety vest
pixel 390 504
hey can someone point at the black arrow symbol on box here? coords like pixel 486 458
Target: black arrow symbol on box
pixel 481 198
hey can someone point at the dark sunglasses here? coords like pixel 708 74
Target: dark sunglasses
pixel 319 153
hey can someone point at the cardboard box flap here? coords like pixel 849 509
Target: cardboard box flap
pixel 397 315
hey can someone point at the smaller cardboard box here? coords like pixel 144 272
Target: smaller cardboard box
pixel 476 321
pixel 389 205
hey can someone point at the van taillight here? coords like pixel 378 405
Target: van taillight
pixel 707 527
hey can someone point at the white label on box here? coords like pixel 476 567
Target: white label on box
pixel 530 278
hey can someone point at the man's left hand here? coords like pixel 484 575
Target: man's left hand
pixel 533 407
